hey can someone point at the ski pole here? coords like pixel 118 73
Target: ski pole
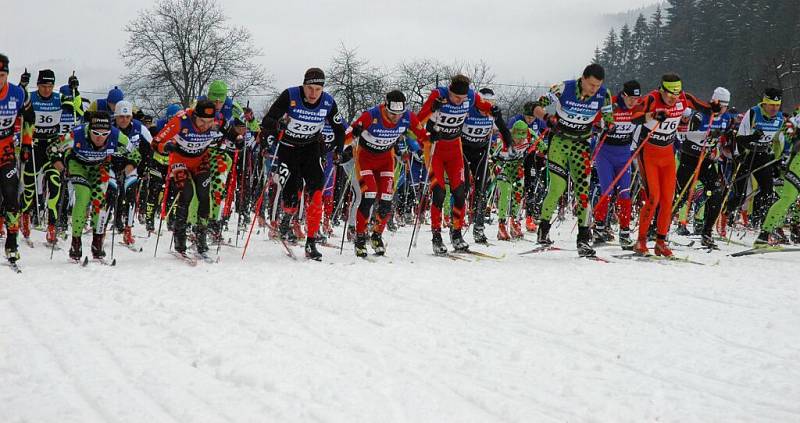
pixel 696 173
pixel 264 192
pixel 164 201
pixel 422 201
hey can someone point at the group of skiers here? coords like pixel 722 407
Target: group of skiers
pixel 666 153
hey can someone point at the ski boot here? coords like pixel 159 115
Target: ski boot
pixel 377 244
pixel 698 227
pixel 200 242
pixel 543 237
pixel 12 252
pixel 502 231
pixel 641 247
pixel 780 236
pixel 180 240
pixel 707 241
pixel 478 235
pixel 661 248
pixel 51 236
pixel 311 249
pixel 360 245
pixel 625 240
pixel 599 233
pixel 76 250
pixel 794 233
pixel 287 234
pixel 530 224
pixel 584 242
pixel 516 229
pixel 682 230
pixel 457 241
pixel 97 246
pixel 438 245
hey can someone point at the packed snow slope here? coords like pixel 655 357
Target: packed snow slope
pixel 544 337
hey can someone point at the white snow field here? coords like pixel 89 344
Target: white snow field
pixel 539 338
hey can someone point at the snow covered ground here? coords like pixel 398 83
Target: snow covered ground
pixel 536 338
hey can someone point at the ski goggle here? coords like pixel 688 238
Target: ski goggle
pixel 100 133
pixel 672 87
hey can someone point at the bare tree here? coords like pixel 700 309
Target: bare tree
pixel 355 84
pixel 175 49
pixel 419 77
pixel 416 79
pixel 480 73
pixel 511 97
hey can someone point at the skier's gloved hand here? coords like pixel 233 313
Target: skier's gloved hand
pixel 169 147
pixel 73 82
pixel 418 156
pixel 757 135
pixel 25 79
pixel 357 130
pixel 660 115
pixel 610 129
pixel 497 113
pixel 266 141
pixel 25 152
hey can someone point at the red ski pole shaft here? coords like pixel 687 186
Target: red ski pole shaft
pixel 622 171
pixel 231 186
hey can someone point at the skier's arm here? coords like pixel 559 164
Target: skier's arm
pixel 166 134
pixel 358 126
pixel 270 124
pixel 699 105
pixel 640 112
pixel 607 111
pixel 432 104
pixel 337 124
pixel 420 136
pixel 131 157
pixel 746 134
pixel 491 110
pixel 28 117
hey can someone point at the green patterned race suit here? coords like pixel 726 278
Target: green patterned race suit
pixel 511 185
pixel 221 162
pixel 791 182
pixel 568 155
pixel 90 180
pixel 569 152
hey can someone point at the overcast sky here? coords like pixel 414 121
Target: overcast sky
pixel 523 40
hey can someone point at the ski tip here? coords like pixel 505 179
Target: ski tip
pixel 113 262
pixel 85 261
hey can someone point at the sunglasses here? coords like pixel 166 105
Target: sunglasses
pixel 100 133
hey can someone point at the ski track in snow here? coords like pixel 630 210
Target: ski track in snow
pixel 541 337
